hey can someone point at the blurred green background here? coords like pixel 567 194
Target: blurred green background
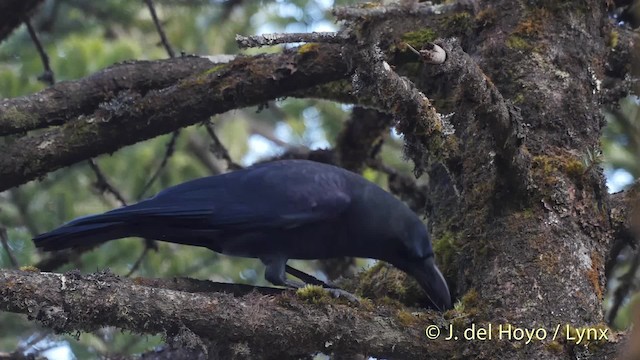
pixel 82 36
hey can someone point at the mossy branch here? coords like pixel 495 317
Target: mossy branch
pixel 68 99
pixel 133 116
pixel 272 327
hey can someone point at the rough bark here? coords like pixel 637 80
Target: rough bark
pixel 69 99
pixel 72 302
pixel 133 116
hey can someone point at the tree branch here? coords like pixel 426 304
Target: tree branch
pixel 286 38
pixel 253 319
pixel 133 116
pixel 426 133
pixel 486 103
pixel 68 99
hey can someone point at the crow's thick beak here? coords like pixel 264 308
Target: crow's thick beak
pixel 430 278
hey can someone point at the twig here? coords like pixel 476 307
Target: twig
pixel 171 145
pixel 47 77
pixel 22 205
pixel 174 136
pixel 198 147
pixel 136 265
pixel 156 22
pixel 103 184
pixel 219 150
pixel 286 38
pixel 5 244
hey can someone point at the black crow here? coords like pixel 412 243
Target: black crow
pixel 289 209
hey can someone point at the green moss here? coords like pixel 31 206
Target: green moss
pixel 369 5
pixel 387 301
pixel 406 318
pixel 29 268
pixel 546 168
pixel 529 30
pixel 555 346
pixel 574 168
pixel 313 294
pixel 420 37
pixel 214 69
pixel 464 310
pixel 445 247
pixel 367 304
pixel 517 43
pixel 614 38
pixel 470 299
pixel 310 47
pixel 383 281
pixel 21 119
pixel 519 99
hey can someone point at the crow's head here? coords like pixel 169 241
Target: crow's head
pixel 414 255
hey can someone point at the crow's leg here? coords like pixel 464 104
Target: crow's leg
pixel 309 279
pixel 275 273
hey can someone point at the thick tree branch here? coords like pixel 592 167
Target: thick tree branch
pixel 68 99
pixel 427 135
pixel 270 327
pixel 133 116
pixel 481 98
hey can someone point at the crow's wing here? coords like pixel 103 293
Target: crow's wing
pixel 265 196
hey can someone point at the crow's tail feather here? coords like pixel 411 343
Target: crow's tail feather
pixel 86 231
